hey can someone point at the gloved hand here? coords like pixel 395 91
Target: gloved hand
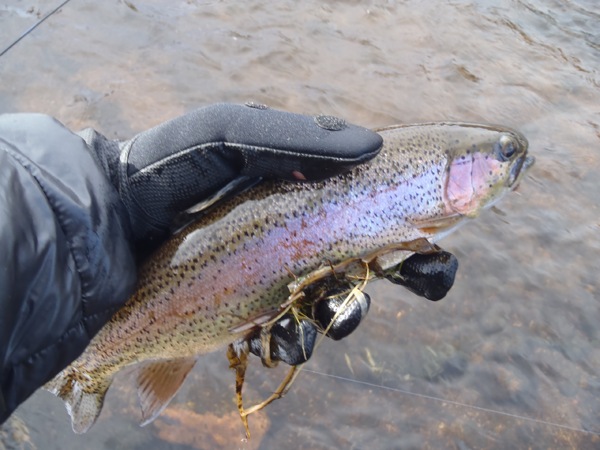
pixel 165 170
pixel 74 211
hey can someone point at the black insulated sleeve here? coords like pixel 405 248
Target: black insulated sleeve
pixel 65 251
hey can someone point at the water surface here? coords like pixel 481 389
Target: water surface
pixel 519 331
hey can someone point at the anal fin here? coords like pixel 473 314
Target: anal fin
pixel 157 383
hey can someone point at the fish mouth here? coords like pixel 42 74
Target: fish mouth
pixel 519 170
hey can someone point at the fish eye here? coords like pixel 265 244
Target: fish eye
pixel 505 148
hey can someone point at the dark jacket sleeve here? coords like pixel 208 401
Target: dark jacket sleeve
pixel 65 258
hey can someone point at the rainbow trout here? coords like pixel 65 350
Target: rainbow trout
pixel 207 286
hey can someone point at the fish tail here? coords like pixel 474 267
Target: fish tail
pixel 82 396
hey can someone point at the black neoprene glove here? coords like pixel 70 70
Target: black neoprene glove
pixel 169 168
pixel 73 211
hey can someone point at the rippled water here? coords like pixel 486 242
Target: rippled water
pixel 518 333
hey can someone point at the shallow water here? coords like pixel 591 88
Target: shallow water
pixel 518 334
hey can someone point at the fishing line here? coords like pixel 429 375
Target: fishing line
pixel 452 402
pixel 30 29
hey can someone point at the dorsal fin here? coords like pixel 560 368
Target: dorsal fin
pixel 158 382
pixel 236 187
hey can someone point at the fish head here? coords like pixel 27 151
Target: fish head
pixel 484 163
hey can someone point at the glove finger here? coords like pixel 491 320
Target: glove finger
pixel 261 142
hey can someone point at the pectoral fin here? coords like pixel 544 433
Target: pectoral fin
pixel 434 226
pixel 158 382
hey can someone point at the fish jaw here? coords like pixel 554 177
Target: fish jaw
pixel 520 170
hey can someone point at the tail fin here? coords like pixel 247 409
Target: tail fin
pixel 83 398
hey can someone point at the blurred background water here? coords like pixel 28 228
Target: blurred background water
pixel 519 332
